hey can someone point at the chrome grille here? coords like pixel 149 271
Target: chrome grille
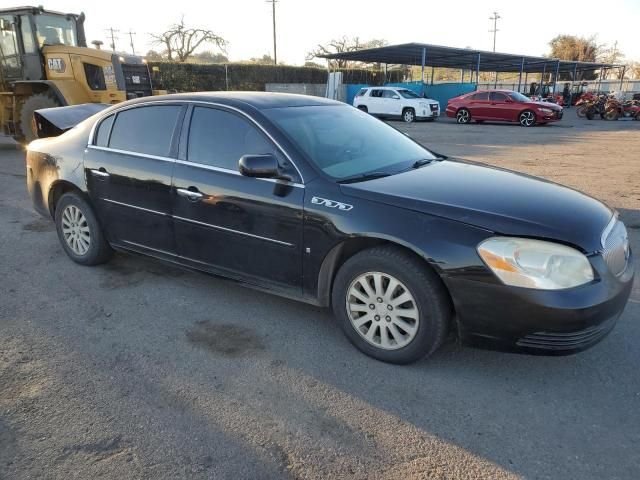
pixel 615 247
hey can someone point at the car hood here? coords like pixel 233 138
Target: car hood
pixel 495 199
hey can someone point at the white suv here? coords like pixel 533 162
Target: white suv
pixel 396 102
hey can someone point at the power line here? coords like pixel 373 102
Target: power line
pixel 273 10
pixel 495 28
pixel 131 34
pixel 112 33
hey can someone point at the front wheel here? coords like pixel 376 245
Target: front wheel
pixel 79 231
pixel 390 306
pixel 611 114
pixel 581 112
pixel 409 115
pixel 527 118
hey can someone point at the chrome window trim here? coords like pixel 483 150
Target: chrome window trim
pixel 135 154
pixel 91 139
pixel 230 230
pixel 237 173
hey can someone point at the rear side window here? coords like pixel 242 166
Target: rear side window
pixel 104 129
pixel 145 129
pixel 480 96
pixel 376 93
pixel 220 138
pixel 361 92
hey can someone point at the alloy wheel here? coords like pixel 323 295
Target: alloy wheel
pixel 382 310
pixel 463 116
pixel 408 116
pixel 527 119
pixel 75 230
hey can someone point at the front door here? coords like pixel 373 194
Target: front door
pixel 392 103
pixel 128 167
pixel 247 228
pixel 498 107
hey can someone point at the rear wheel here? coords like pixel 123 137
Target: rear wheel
pixel 611 114
pixel 363 108
pixel 527 118
pixel 389 306
pixel 637 116
pixel 79 231
pixel 27 122
pixel 409 115
pixel 581 111
pixel 463 116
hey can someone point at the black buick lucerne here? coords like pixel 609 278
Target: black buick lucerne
pixel 315 200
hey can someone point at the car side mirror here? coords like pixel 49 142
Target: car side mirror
pixel 396 97
pixel 260 166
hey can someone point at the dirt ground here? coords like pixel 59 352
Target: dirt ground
pixel 136 369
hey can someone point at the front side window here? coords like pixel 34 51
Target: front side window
pixel 219 138
pixel 146 130
pixel 345 142
pixel 56 30
pixel 408 94
pixel 497 97
pixel 27 35
pixel 389 94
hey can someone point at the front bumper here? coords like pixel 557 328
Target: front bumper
pixel 546 322
pixel 428 112
pixel 549 117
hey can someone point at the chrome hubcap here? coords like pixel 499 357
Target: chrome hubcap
pixel 408 116
pixel 382 310
pixel 75 230
pixel 527 118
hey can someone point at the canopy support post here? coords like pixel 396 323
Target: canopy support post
pixel 424 60
pixel 433 69
pixel 520 76
pixel 478 71
pixel 555 78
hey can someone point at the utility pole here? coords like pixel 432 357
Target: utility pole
pixel 495 28
pixel 273 11
pixel 131 34
pixel 112 34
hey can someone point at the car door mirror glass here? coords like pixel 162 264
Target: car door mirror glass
pixel 259 166
pixel 396 97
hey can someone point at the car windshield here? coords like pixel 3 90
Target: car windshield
pixel 56 30
pixel 518 97
pixel 408 94
pixel 345 142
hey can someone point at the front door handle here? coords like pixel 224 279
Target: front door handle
pixel 101 172
pixel 191 193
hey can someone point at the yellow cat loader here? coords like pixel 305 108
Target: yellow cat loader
pixel 45 62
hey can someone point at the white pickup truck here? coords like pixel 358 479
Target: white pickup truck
pixel 396 102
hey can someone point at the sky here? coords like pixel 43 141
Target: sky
pixel 525 27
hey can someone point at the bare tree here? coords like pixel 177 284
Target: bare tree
pixel 344 44
pixel 180 41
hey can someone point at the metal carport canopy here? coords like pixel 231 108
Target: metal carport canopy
pixel 463 58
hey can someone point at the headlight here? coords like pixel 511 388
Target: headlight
pixel 545 110
pixel 523 262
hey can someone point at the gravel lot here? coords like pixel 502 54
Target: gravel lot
pixel 136 369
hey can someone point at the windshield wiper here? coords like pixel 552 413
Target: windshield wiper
pixel 364 177
pixel 422 163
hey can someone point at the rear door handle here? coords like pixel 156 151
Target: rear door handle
pixel 101 172
pixel 190 194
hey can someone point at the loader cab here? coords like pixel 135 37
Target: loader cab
pixel 25 31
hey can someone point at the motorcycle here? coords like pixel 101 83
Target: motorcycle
pixel 583 102
pixel 615 109
pixel 596 107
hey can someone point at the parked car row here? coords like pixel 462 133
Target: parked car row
pixel 478 106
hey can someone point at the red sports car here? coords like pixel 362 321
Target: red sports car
pixel 502 106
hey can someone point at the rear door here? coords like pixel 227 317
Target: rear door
pixel 375 103
pixel 477 105
pixel 247 228
pixel 128 167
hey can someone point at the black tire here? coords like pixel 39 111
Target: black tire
pixel 363 108
pixel 527 118
pixel 27 122
pixel 581 111
pixel 463 116
pixel 590 114
pixel 409 115
pixel 428 291
pixel 98 250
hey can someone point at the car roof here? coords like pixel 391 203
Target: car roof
pixel 257 100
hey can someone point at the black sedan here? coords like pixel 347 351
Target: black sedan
pixel 315 200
